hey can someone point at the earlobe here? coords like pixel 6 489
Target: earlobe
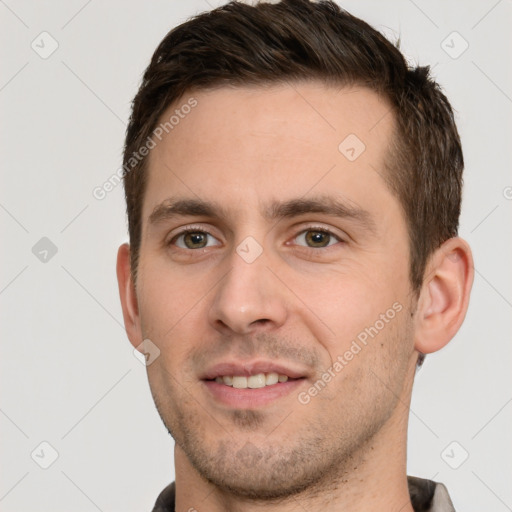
pixel 128 296
pixel 444 296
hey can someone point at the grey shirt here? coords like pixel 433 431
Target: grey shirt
pixel 426 496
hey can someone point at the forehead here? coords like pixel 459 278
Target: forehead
pixel 249 143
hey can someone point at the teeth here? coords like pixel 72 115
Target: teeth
pixel 272 378
pixel 259 380
pixel 239 382
pixel 256 381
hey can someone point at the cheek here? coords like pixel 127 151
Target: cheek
pixel 174 316
pixel 348 303
pixel 167 304
pixel 369 362
pixel 167 291
pixel 158 307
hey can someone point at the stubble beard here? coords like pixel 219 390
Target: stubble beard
pixel 253 458
pixel 311 463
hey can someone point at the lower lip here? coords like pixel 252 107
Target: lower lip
pixel 250 398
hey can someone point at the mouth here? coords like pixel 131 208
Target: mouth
pixel 251 385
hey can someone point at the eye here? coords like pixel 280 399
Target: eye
pixel 316 238
pixel 193 239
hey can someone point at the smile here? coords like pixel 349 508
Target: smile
pixel 260 380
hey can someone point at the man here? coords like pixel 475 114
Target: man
pixel 293 193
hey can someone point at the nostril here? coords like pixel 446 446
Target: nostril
pixel 262 321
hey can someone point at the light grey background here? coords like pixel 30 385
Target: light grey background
pixel 68 373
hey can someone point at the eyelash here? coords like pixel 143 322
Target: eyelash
pixel 198 229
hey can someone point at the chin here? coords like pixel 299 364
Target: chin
pixel 270 473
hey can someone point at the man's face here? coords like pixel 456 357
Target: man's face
pixel 267 282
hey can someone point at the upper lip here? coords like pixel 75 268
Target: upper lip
pixel 248 368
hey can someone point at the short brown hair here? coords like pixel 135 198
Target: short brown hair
pixel 297 40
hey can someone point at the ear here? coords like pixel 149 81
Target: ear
pixel 128 296
pixel 444 295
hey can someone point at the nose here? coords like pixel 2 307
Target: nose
pixel 249 298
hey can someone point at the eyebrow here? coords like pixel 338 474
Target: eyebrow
pixel 276 210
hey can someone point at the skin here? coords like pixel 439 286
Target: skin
pixel 301 302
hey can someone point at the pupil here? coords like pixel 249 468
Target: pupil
pixel 317 237
pixel 194 239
